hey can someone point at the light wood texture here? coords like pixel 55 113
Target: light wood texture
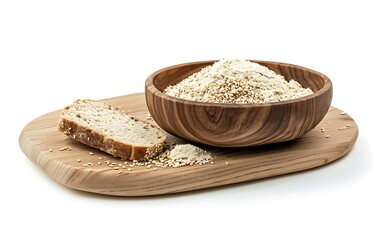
pixel 238 125
pixel 311 150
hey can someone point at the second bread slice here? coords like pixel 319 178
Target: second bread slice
pixel 103 126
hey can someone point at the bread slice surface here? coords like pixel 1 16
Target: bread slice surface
pixel 105 127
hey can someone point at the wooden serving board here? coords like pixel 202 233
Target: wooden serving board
pixel 43 144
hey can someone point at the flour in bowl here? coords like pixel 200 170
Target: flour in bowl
pixel 237 81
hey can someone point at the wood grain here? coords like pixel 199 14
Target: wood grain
pixel 238 125
pixel 244 164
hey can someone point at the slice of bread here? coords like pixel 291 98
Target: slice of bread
pixel 103 126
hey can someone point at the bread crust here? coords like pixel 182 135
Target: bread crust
pixel 91 138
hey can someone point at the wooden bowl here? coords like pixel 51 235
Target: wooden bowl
pixel 238 125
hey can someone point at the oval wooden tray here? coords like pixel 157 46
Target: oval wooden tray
pixel 58 157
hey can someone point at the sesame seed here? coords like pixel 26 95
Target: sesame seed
pixel 90 164
pixel 129 169
pixel 65 148
pixel 116 168
pixel 322 129
pixel 327 136
pixel 342 113
pixel 91 153
pixel 100 158
pixel 227 163
pixel 78 160
pixel 50 150
pixel 99 163
pixel 348 125
pixel 119 172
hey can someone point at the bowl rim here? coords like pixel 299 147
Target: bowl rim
pixel 153 89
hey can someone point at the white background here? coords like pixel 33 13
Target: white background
pixel 52 52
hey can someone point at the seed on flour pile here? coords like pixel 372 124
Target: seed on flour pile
pixel 237 81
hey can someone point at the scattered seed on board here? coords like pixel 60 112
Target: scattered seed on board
pixel 227 163
pixel 99 163
pixel 50 150
pixel 65 148
pixel 322 129
pixel 327 136
pixel 78 160
pixel 345 127
pixel 91 153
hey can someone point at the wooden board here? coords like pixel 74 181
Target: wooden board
pixel 41 142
